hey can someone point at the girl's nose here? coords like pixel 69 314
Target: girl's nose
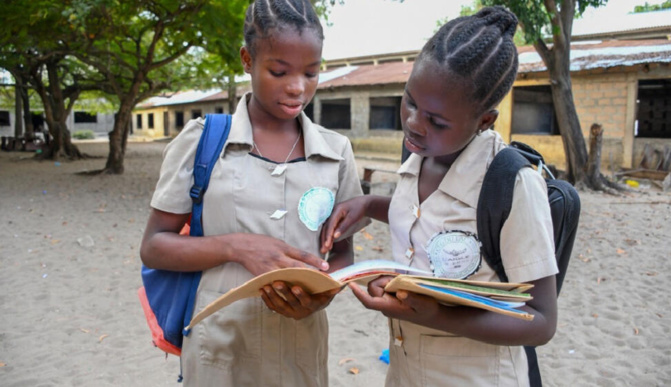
pixel 413 123
pixel 295 87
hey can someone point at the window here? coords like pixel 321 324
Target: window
pixel 653 117
pixel 336 114
pixel 150 120
pixel 138 118
pixel 179 119
pixel 196 113
pixel 85 118
pixel 4 118
pixel 385 113
pixel 219 110
pixel 533 111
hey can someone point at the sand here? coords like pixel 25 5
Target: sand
pixel 69 272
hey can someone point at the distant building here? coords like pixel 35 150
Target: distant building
pixel 623 85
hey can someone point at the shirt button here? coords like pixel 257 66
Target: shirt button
pixel 409 252
pixel 416 211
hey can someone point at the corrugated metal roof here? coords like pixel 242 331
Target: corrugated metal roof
pixel 595 55
pixel 584 56
pixel 366 75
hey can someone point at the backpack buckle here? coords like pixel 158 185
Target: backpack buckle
pixel 196 194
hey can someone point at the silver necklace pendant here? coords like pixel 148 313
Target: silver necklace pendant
pixel 279 170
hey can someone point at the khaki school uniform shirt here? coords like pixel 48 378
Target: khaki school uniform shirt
pixel 246 344
pixel 422 356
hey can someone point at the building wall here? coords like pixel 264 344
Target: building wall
pixel 607 97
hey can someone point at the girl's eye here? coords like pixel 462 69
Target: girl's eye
pixel 410 103
pixel 436 124
pixel 310 75
pixel 276 73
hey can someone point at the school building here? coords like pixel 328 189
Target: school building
pixel 624 85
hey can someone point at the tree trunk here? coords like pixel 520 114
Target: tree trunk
pixel 56 114
pixel 118 138
pixel 27 118
pixel 232 94
pixel 18 123
pixel 575 148
pixel 594 160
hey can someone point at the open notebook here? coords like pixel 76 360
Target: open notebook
pixel 498 297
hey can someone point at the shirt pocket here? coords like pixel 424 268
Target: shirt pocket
pixel 457 361
pixel 231 337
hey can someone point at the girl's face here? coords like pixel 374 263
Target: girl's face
pixel 284 71
pixel 437 114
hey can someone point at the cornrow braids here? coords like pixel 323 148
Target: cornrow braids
pixel 480 49
pixel 263 16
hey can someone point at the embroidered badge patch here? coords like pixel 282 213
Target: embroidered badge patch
pixel 454 254
pixel 315 207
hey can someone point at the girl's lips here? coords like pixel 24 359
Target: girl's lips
pixel 291 108
pixel 412 146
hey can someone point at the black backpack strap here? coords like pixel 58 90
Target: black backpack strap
pixel 495 202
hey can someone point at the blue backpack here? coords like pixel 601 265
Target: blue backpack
pixel 168 297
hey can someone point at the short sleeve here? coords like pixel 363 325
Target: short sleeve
pixel 349 185
pixel 527 237
pixel 176 176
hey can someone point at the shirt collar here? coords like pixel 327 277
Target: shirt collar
pixel 464 178
pixel 315 144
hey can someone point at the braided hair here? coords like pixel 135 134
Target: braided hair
pixel 480 49
pixel 263 16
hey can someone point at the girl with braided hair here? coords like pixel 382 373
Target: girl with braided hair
pixel 460 76
pixel 274 185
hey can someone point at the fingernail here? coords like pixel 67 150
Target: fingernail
pixel 277 286
pixel 296 291
pixel 401 295
pixel 325 265
pixel 336 234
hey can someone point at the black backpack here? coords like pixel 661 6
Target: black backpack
pixel 495 201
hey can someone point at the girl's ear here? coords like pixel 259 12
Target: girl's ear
pixel 246 58
pixel 487 120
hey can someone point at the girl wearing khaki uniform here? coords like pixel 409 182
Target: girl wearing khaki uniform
pixel 460 76
pixel 276 182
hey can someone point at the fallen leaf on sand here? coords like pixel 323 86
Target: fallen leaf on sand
pixel 377 248
pixel 84 330
pixel 358 248
pixel 620 251
pixel 651 273
pixel 632 242
pixel 600 280
pixel 2 364
pixel 101 338
pixel 366 235
pixel 354 371
pixel 345 360
pixel 595 315
pixel 635 331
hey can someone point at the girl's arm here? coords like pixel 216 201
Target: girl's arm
pixel 476 324
pixel 163 248
pixel 349 212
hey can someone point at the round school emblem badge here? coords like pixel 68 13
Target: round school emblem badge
pixel 315 207
pixel 454 254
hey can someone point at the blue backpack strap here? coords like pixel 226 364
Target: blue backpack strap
pixel 212 140
pixel 215 133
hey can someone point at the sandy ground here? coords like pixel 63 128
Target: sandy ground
pixel 69 272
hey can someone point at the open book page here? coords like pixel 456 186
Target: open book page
pixel 466 294
pixel 313 281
